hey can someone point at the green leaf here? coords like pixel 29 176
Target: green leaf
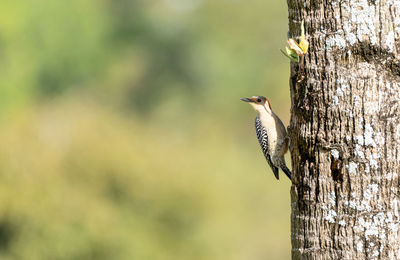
pixel 291 54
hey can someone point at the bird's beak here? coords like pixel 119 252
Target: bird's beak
pixel 246 100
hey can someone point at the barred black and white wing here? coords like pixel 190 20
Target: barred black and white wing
pixel 262 137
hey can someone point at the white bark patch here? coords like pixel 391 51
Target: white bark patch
pixel 360 139
pixel 360 246
pixel 367 168
pixel 372 139
pixel 364 206
pixel 394 227
pixel 367 194
pixel 390 41
pixel 336 41
pixel 352 167
pixel 358 151
pixel 331 216
pixel 335 154
pixel 349 35
pixel 331 213
pixel 370 226
pixel 339 92
pixel 340 80
pixel 373 162
pixel 368 140
pixel 362 15
pixel 335 100
pixel 348 111
pixel 397 24
pixel 342 90
pixel 353 204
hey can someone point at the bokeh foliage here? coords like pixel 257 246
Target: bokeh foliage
pixel 122 132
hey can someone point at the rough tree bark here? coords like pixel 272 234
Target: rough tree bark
pixel 345 130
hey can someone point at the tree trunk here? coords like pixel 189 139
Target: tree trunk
pixel 345 130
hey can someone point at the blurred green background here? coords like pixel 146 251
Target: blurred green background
pixel 123 136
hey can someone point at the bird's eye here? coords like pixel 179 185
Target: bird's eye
pixel 258 100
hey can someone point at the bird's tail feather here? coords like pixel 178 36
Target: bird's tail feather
pixel 286 171
pixel 276 172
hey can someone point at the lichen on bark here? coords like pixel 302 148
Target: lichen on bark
pixel 345 130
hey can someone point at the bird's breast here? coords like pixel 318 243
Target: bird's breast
pixel 269 123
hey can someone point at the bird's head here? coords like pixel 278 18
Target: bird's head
pixel 259 103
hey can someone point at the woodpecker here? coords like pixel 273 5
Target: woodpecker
pixel 271 134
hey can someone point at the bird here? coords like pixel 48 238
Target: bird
pixel 271 134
